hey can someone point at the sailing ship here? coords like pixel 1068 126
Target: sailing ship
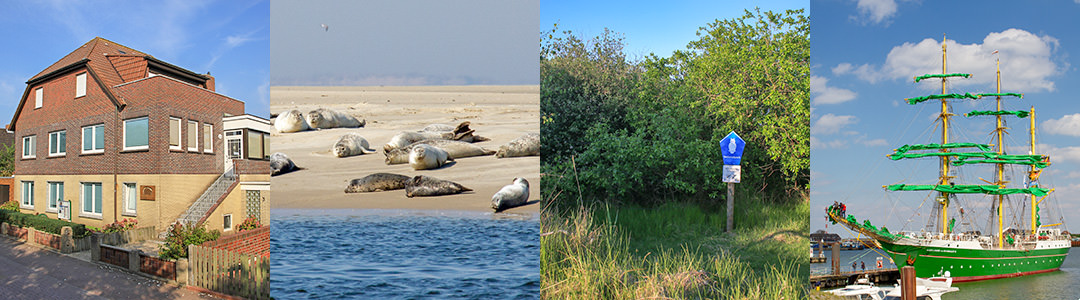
pixel 972 255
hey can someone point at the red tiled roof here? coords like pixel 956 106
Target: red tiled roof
pixel 96 51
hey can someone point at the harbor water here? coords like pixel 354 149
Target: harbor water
pixel 867 256
pixel 1063 284
pixel 384 254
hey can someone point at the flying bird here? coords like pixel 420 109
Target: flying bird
pixel 325 28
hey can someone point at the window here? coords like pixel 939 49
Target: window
pixel 93 138
pixel 266 146
pixel 56 194
pixel 208 138
pixel 91 198
pixel 233 143
pixel 28 194
pixel 193 135
pixel 58 143
pixel 227 222
pixel 80 85
pixel 255 145
pixel 174 133
pixel 137 133
pixel 28 147
pixel 131 196
pixel 37 98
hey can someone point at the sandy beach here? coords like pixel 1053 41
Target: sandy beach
pixel 501 113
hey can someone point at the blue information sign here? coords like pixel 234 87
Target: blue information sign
pixel 731 147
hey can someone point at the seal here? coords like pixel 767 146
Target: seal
pixel 431 186
pixel 281 164
pixel 290 121
pixel 438 127
pixel 526 145
pixel 511 196
pixel 351 144
pixel 455 149
pixel 377 182
pixel 424 156
pixel 460 133
pixel 322 118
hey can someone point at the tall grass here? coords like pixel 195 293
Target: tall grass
pixel 675 251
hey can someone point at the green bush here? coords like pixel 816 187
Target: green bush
pixel 42 222
pixel 10 206
pixel 179 237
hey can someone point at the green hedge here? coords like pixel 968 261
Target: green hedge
pixel 42 222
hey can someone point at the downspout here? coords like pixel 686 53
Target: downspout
pixel 116 168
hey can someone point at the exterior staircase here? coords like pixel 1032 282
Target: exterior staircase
pixel 209 199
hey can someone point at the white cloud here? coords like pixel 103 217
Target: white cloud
pixel 875 11
pixel 1057 154
pixel 824 94
pixel 1027 62
pixel 830 123
pixel 1067 125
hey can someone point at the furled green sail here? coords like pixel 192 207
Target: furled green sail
pixel 919 78
pixel 968 189
pixel 917 100
pixel 1018 95
pixel 1018 113
pixel 906 148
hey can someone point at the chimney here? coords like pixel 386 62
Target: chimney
pixel 209 82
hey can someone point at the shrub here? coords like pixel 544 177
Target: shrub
pixel 248 224
pixel 10 205
pixel 42 222
pixel 179 237
pixel 122 225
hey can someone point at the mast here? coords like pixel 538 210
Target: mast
pixel 1000 166
pixel 944 179
pixel 1032 174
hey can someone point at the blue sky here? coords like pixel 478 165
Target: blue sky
pixel 421 42
pixel 864 54
pixel 659 27
pixel 229 39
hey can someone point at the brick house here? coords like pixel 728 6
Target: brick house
pixel 108 132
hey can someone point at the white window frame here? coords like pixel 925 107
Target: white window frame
pixel 193 135
pixel 227 222
pixel 208 138
pixel 29 146
pixel 124 140
pixel 38 95
pixel 179 135
pixel 55 136
pixel 80 85
pixel 54 199
pixel 88 210
pixel 94 147
pixel 26 195
pixel 130 195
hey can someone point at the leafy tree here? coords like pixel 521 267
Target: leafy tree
pixel 7 160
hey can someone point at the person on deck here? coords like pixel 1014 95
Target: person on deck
pixel 853 267
pixel 863 265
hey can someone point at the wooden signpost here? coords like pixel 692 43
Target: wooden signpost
pixel 731 148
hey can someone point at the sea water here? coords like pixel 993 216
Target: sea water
pixel 868 256
pixel 380 254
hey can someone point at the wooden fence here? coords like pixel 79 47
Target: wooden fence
pixel 230 272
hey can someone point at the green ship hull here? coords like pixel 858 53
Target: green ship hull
pixel 975 264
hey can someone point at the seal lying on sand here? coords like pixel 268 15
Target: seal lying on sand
pixel 511 196
pixel 351 144
pixel 281 164
pixel 526 145
pixel 460 133
pixel 431 186
pixel 377 182
pixel 438 127
pixel 290 121
pixel 455 149
pixel 424 156
pixel 327 118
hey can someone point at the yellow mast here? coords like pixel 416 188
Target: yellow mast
pixel 944 140
pixel 1000 167
pixel 1031 174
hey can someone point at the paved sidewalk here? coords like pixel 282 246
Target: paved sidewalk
pixel 30 272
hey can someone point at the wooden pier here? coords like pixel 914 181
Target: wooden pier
pixel 878 276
